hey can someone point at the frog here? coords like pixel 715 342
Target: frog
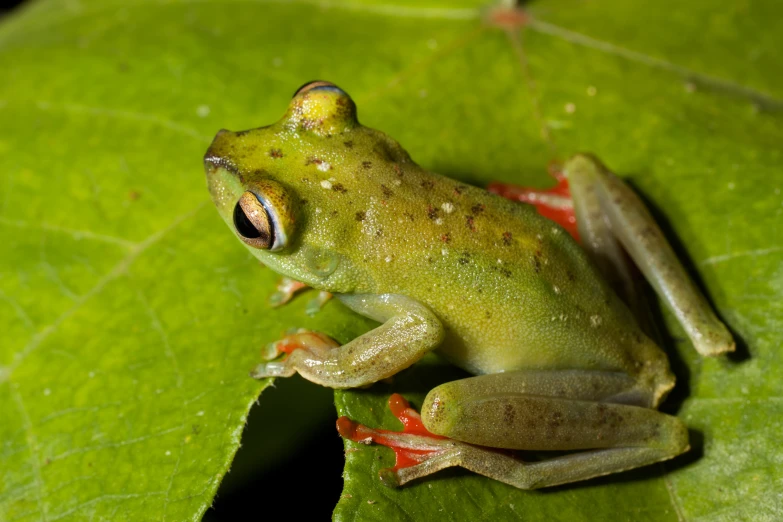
pixel 558 360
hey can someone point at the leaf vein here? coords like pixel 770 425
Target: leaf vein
pixel 158 327
pixel 714 260
pixel 116 272
pixel 32 443
pixel 102 498
pixel 761 99
pixel 74 233
pixel 673 495
pixel 128 442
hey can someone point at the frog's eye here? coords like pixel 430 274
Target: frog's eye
pixel 254 224
pixel 318 84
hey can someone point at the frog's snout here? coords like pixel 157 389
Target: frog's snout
pixel 217 153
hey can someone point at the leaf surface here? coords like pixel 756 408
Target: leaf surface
pixel 130 316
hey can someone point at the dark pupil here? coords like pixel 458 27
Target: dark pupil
pixel 244 226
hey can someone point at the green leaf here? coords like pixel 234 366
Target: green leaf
pixel 130 316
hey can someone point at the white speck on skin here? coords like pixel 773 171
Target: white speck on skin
pixel 388 259
pixel 158 391
pixel 570 108
pixel 592 91
pixel 556 289
pixel 731 185
pixel 47 392
pixel 318 209
pixel 444 251
pixel 202 111
pixel 91 375
pixel 432 43
pixel 447 207
pixel 168 453
pixel 500 262
pixel 595 321
pixel 438 221
pixel 555 230
pixel 277 61
pixel 326 183
pixel 323 167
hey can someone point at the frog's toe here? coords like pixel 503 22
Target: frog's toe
pixel 314 305
pixel 389 478
pixel 285 290
pixel 272 369
pixel 298 339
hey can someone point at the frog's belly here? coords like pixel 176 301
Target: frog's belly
pixel 507 340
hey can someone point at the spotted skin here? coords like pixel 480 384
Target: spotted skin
pixel 491 284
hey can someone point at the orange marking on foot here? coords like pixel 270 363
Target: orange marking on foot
pixel 412 425
pixel 288 346
pixel 554 203
pixel 410 418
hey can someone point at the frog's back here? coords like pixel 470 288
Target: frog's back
pixel 513 288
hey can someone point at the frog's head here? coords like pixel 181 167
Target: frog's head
pixel 291 191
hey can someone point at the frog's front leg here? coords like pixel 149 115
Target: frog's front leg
pixel 608 211
pixel 599 412
pixel 409 331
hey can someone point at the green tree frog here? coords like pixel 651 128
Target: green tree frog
pixel 560 361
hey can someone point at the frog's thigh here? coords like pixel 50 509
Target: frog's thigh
pixel 487 411
pixel 409 331
pixel 608 211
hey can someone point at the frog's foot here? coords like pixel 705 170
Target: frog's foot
pixel 277 354
pixel 554 203
pixel 315 304
pixel 285 290
pixel 418 452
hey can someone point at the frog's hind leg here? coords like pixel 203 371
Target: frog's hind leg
pixel 601 412
pixel 608 214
